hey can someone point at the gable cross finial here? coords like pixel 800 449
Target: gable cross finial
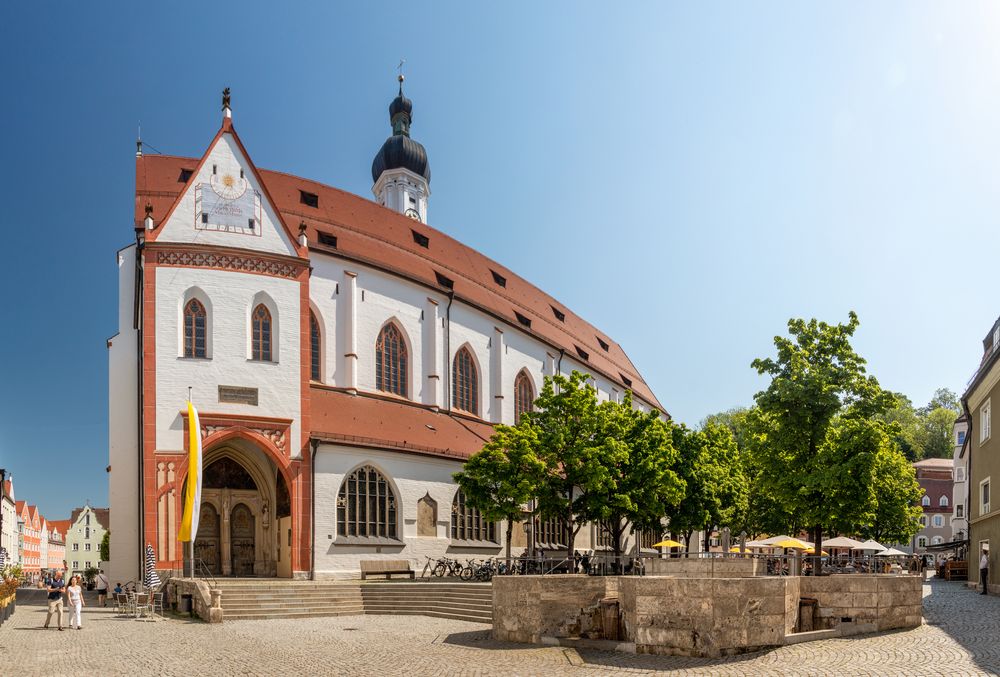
pixel 227 110
pixel 400 77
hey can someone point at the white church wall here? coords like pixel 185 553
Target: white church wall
pixel 324 294
pixel 411 477
pixel 232 295
pixel 123 450
pixel 226 158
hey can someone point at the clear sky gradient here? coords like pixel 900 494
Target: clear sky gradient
pixel 686 178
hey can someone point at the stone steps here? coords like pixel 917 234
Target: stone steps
pixel 266 599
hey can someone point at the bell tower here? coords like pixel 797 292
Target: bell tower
pixel 400 170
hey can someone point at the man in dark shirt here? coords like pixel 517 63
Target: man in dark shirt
pixel 56 588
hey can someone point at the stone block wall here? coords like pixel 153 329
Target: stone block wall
pixel 527 608
pixel 707 617
pixel 699 616
pixel 207 603
pixel 706 567
pixel 886 602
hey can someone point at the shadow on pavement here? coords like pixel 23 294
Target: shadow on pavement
pixel 972 620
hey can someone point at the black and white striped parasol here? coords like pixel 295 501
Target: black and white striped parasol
pixel 3 557
pixel 150 579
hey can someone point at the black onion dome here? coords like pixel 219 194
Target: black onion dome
pixel 400 105
pixel 400 151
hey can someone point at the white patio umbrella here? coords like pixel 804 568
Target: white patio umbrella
pixel 870 545
pixel 841 542
pixel 891 552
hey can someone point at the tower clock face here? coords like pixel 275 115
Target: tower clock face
pixel 412 213
pixel 227 204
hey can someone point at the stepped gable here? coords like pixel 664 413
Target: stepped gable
pixel 389 423
pixel 373 235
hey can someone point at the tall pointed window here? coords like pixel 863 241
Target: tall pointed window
pixel 261 338
pixel 366 505
pixel 195 319
pixel 467 523
pixel 524 395
pixel 465 383
pixel 314 372
pixel 390 361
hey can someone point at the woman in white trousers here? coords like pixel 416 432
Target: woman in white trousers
pixel 74 594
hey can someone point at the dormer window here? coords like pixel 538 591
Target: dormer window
pixel 499 279
pixel 327 239
pixel 185 175
pixel 582 353
pixel 526 321
pixel 309 199
pixel 446 282
pixel 603 343
pixel 421 239
pixel 626 380
pixel 560 315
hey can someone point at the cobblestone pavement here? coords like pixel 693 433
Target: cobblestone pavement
pixel 961 637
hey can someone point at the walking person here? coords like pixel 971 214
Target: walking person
pixel 56 586
pixel 75 595
pixel 984 568
pixel 102 588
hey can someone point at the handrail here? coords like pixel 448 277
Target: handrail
pixel 199 561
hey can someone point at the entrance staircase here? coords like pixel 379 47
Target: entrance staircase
pixel 248 599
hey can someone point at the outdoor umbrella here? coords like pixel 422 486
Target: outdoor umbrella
pixel 3 557
pixel 789 542
pixel 870 545
pixel 812 551
pixel 668 544
pixel 842 542
pixel 150 579
pixel 891 552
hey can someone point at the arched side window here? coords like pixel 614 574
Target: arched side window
pixel 943 502
pixel 465 382
pixel 260 322
pixel 314 352
pixel 467 523
pixel 366 505
pixel 195 329
pixel 391 361
pixel 938 521
pixel 925 501
pixel 524 395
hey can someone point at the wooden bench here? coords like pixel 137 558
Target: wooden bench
pixel 385 567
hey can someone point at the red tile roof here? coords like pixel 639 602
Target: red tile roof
pixel 398 425
pixel 62 526
pixel 371 234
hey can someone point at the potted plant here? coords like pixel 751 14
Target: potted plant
pixel 89 574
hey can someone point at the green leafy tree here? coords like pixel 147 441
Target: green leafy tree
pixel 936 430
pixel 637 456
pixel 503 476
pixel 943 398
pixel 716 490
pixel 106 547
pixel 815 377
pixel 897 494
pixel 909 433
pixel 565 422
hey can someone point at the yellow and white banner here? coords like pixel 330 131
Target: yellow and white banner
pixel 192 497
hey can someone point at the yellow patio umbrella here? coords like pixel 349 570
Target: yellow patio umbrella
pixel 790 543
pixel 812 551
pixel 668 544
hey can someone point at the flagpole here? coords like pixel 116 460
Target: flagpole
pixel 190 544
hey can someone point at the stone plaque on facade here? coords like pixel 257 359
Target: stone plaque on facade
pixel 238 395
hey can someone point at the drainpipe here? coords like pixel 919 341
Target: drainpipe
pixel 968 485
pixel 562 351
pixel 447 350
pixel 312 507
pixel 137 320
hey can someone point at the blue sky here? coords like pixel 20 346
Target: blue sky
pixel 686 177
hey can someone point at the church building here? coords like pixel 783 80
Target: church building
pixel 345 359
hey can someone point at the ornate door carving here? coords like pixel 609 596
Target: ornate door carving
pixel 241 540
pixel 206 543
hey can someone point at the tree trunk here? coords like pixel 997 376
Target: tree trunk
pixel 510 533
pixel 817 551
pixel 687 541
pixel 571 539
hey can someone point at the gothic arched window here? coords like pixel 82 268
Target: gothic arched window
pixel 366 505
pixel 314 369
pixel 261 337
pixel 467 523
pixel 465 383
pixel 524 395
pixel 390 360
pixel 195 319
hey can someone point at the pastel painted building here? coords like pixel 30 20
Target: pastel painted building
pixel 345 358
pixel 9 535
pixel 83 537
